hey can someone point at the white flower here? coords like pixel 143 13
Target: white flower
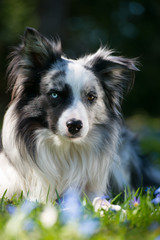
pixel 15 223
pixel 49 216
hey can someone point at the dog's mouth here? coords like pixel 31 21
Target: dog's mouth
pixel 73 136
pixel 76 136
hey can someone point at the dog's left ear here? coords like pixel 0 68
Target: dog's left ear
pixel 38 50
pixel 116 74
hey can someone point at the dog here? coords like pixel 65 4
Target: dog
pixel 64 127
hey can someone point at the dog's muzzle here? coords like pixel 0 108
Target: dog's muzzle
pixel 74 126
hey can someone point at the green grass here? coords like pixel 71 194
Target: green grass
pixel 26 220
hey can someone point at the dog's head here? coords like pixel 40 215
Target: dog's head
pixel 68 97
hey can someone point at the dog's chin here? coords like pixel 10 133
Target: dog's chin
pixel 78 138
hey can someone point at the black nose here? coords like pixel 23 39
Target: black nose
pixel 74 126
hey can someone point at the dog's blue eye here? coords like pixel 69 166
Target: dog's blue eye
pixel 54 95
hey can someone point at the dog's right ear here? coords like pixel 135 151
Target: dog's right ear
pixel 38 50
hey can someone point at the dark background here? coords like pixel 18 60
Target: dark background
pixel 130 27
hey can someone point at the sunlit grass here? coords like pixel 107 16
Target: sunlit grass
pixel 75 218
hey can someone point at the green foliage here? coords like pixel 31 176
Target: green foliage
pixel 25 220
pixel 148 131
pixel 15 16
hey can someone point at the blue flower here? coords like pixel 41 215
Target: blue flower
pixel 71 206
pixel 89 226
pixel 72 213
pixel 28 206
pixel 148 190
pixel 29 225
pixel 157 191
pixel 156 200
pixel 11 209
pixel 157 238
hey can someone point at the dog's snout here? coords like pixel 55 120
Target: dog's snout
pixel 74 125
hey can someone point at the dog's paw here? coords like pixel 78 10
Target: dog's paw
pixel 102 204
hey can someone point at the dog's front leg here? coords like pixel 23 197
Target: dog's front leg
pixel 99 203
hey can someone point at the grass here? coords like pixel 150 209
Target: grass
pixel 21 219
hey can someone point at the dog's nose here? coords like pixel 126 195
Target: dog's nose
pixel 74 126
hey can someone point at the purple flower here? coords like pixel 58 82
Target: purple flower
pixel 105 197
pixel 135 202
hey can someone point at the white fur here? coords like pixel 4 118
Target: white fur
pixel 61 164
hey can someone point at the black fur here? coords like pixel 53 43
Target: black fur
pixel 116 76
pixel 32 59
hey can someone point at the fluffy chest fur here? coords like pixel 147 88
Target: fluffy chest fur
pixel 58 163
pixel 82 167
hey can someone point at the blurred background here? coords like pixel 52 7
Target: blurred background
pixel 132 28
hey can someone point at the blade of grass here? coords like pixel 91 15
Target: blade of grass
pixel 136 193
pixel 58 197
pixel 114 199
pixel 3 201
pixel 48 194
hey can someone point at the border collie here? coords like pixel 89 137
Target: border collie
pixel 63 127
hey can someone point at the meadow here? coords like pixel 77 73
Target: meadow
pixel 74 218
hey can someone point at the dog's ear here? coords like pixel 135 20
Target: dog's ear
pixel 116 74
pixel 35 54
pixel 38 50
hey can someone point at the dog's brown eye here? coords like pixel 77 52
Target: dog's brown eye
pixel 91 97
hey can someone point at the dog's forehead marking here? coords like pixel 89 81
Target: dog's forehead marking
pixel 73 73
pixel 78 77
pixel 54 79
